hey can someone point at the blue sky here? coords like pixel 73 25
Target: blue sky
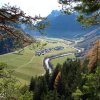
pixel 34 7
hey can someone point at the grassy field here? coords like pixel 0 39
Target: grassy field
pixel 61 60
pixel 26 64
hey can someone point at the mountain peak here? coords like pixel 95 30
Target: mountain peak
pixel 54 13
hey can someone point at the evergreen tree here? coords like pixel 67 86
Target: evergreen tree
pixel 32 84
pixel 52 95
pixel 41 88
pixel 90 86
pixel 47 77
pixel 70 77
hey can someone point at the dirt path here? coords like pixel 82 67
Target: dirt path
pixel 27 62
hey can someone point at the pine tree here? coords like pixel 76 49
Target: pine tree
pixel 47 77
pixel 70 77
pixel 41 88
pixel 52 95
pixel 32 84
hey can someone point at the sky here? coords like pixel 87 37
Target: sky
pixel 34 7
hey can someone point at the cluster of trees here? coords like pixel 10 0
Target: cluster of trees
pixel 70 81
pixel 10 87
pixel 94 56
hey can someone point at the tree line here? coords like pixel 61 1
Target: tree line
pixel 70 81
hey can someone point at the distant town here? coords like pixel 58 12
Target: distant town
pixel 44 51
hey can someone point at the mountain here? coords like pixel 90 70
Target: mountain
pixel 64 26
pixel 53 14
pixel 11 42
pixel 89 38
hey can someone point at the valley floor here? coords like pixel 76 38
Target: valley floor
pixel 27 64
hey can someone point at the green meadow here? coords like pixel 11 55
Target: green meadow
pixel 26 64
pixel 61 60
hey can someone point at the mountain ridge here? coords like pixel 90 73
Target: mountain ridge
pixel 89 38
pixel 63 26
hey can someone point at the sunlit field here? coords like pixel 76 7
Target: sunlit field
pixel 61 60
pixel 26 64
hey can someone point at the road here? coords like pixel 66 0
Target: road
pixel 47 63
pixel 47 60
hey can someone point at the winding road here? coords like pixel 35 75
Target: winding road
pixel 47 63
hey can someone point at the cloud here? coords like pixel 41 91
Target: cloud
pixel 34 7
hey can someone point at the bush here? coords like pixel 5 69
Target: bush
pixel 3 65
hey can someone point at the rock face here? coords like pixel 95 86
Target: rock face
pixel 93 56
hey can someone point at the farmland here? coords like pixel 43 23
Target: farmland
pixel 26 64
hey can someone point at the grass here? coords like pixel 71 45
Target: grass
pixel 27 64
pixel 61 60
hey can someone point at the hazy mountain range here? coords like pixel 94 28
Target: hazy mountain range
pixel 63 26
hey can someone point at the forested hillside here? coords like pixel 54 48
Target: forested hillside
pixel 11 34
pixel 89 38
pixel 72 80
pixel 11 43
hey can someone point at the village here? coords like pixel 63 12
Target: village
pixel 46 50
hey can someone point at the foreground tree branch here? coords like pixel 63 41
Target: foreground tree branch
pixel 89 10
pixel 10 17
